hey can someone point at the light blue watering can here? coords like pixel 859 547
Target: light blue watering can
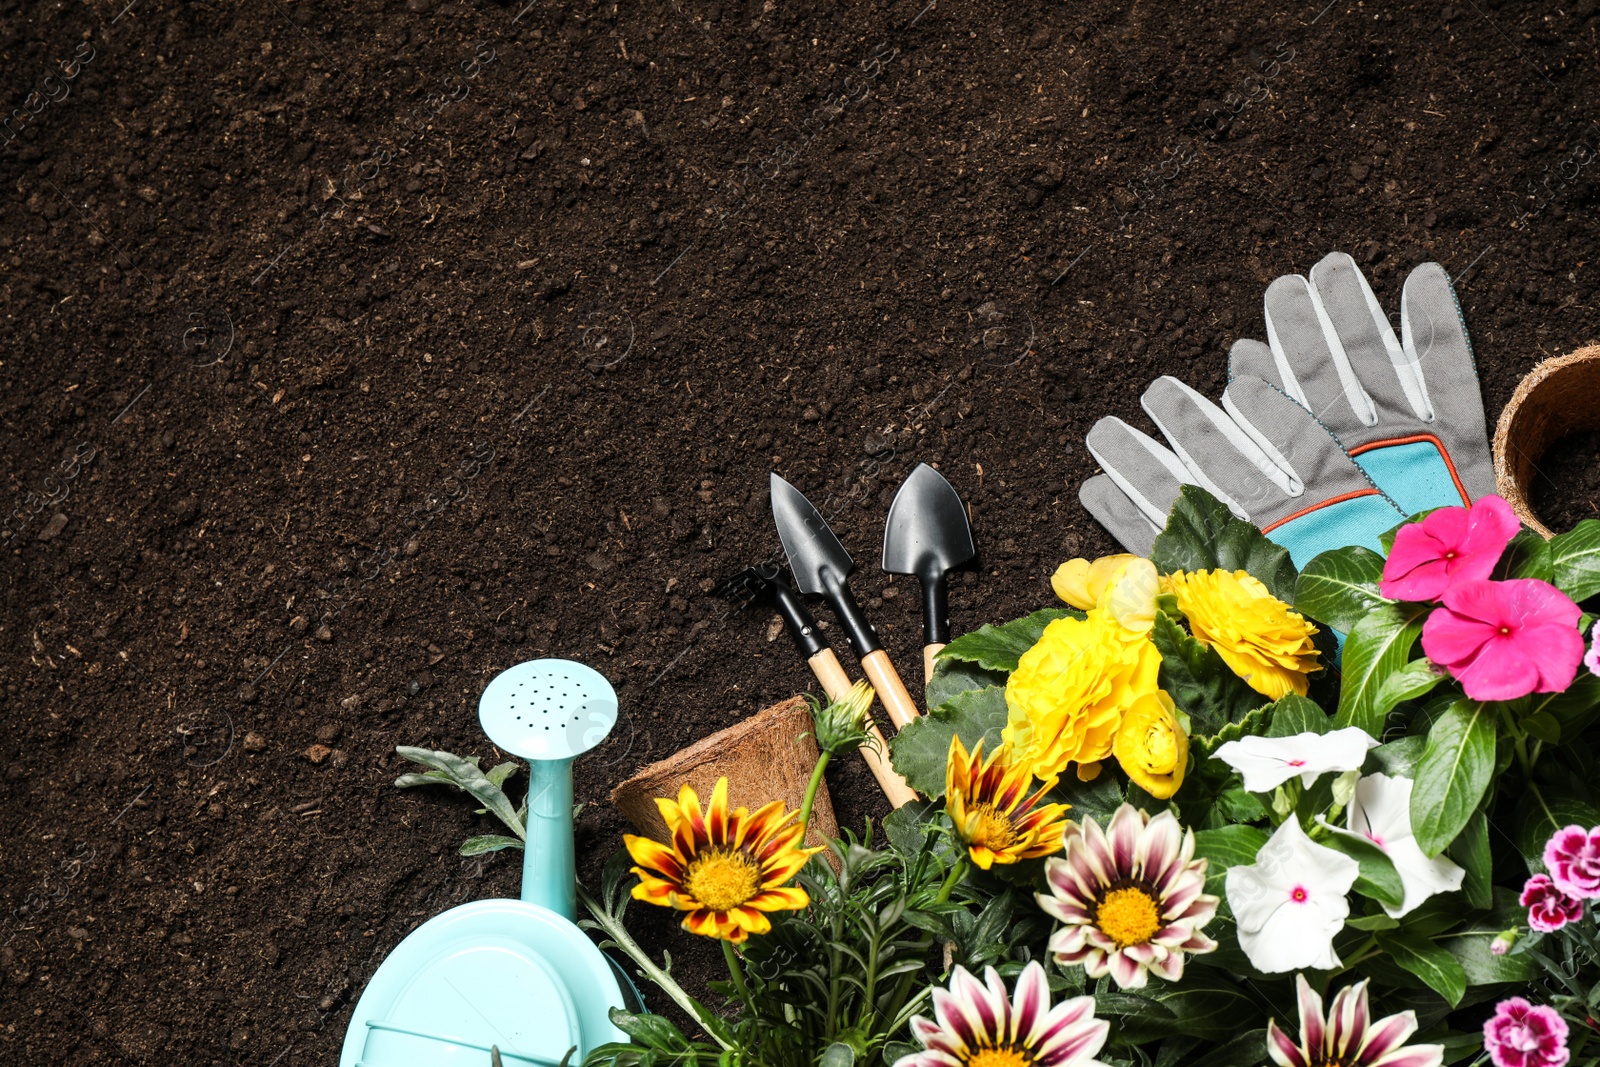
pixel 517 975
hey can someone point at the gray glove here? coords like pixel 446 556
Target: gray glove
pixel 1265 456
pixel 1409 411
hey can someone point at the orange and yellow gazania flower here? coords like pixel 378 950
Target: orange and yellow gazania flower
pixel 727 869
pixel 989 804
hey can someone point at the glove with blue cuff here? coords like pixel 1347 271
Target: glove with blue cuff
pixel 1409 411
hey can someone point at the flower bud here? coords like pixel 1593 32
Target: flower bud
pixel 841 726
pixel 1504 940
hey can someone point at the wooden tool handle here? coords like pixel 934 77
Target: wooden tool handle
pixel 928 654
pixel 835 683
pixel 891 690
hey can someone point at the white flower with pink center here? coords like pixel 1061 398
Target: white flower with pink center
pixel 1131 899
pixel 1380 811
pixel 1267 762
pixel 1291 902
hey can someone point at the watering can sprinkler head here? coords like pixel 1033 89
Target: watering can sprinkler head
pixel 549 711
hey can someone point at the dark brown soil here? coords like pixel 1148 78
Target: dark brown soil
pixel 1566 482
pixel 324 400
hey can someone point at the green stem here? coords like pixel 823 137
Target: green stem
pixel 736 972
pixel 951 880
pixel 811 792
pixel 623 940
pixel 1520 739
pixel 1368 950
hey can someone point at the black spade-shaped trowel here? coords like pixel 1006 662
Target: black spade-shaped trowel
pixel 927 535
pixel 822 568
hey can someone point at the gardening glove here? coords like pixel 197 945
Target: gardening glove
pixel 1261 453
pixel 1409 412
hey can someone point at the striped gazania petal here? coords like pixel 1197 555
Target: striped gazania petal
pixel 988 803
pixel 1387 1035
pixel 1282 1049
pixel 1347 1035
pixel 1137 853
pixel 718 841
pixel 1313 1031
pixel 1347 1020
pixel 974 1015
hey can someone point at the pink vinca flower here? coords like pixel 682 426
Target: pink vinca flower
pixel 1572 856
pixel 1503 640
pixel 1549 909
pixel 1522 1035
pixel 1449 546
pixel 1592 658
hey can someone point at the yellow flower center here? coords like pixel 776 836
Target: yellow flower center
pixel 999 1057
pixel 993 830
pixel 1128 916
pixel 722 879
pixel 1160 748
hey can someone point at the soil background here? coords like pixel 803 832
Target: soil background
pixel 354 352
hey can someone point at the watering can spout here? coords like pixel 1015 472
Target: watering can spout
pixel 549 870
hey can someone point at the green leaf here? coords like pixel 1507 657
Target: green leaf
pixel 1197 680
pixel 1339 587
pixel 1202 534
pixel 1237 806
pixel 463 773
pixel 1470 946
pixel 1098 799
pixel 651 1031
pixel 1415 679
pixel 1573 709
pixel 1378 880
pixel 1224 847
pixel 1242 1050
pixel 1575 560
pixel 952 677
pixel 919 751
pixel 1378 646
pixel 477 846
pixel 1471 852
pixel 1294 714
pixel 998 648
pixel 907 826
pixel 498 774
pixel 1432 963
pixel 1206 1004
pixel 838 1054
pixel 1398 759
pixel 1453 773
pixel 1539 816
pixel 1376 921
pixel 1527 556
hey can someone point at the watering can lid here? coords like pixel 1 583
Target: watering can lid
pixel 493 972
pixel 548 709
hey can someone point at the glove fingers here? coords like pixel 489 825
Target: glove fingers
pixel 1289 434
pixel 1302 343
pixel 1434 340
pixel 1225 459
pixel 1121 516
pixel 1368 344
pixel 1148 475
pixel 1252 359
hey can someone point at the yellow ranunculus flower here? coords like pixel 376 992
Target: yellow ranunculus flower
pixel 1068 693
pixel 1258 636
pixel 1126 585
pixel 1152 745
